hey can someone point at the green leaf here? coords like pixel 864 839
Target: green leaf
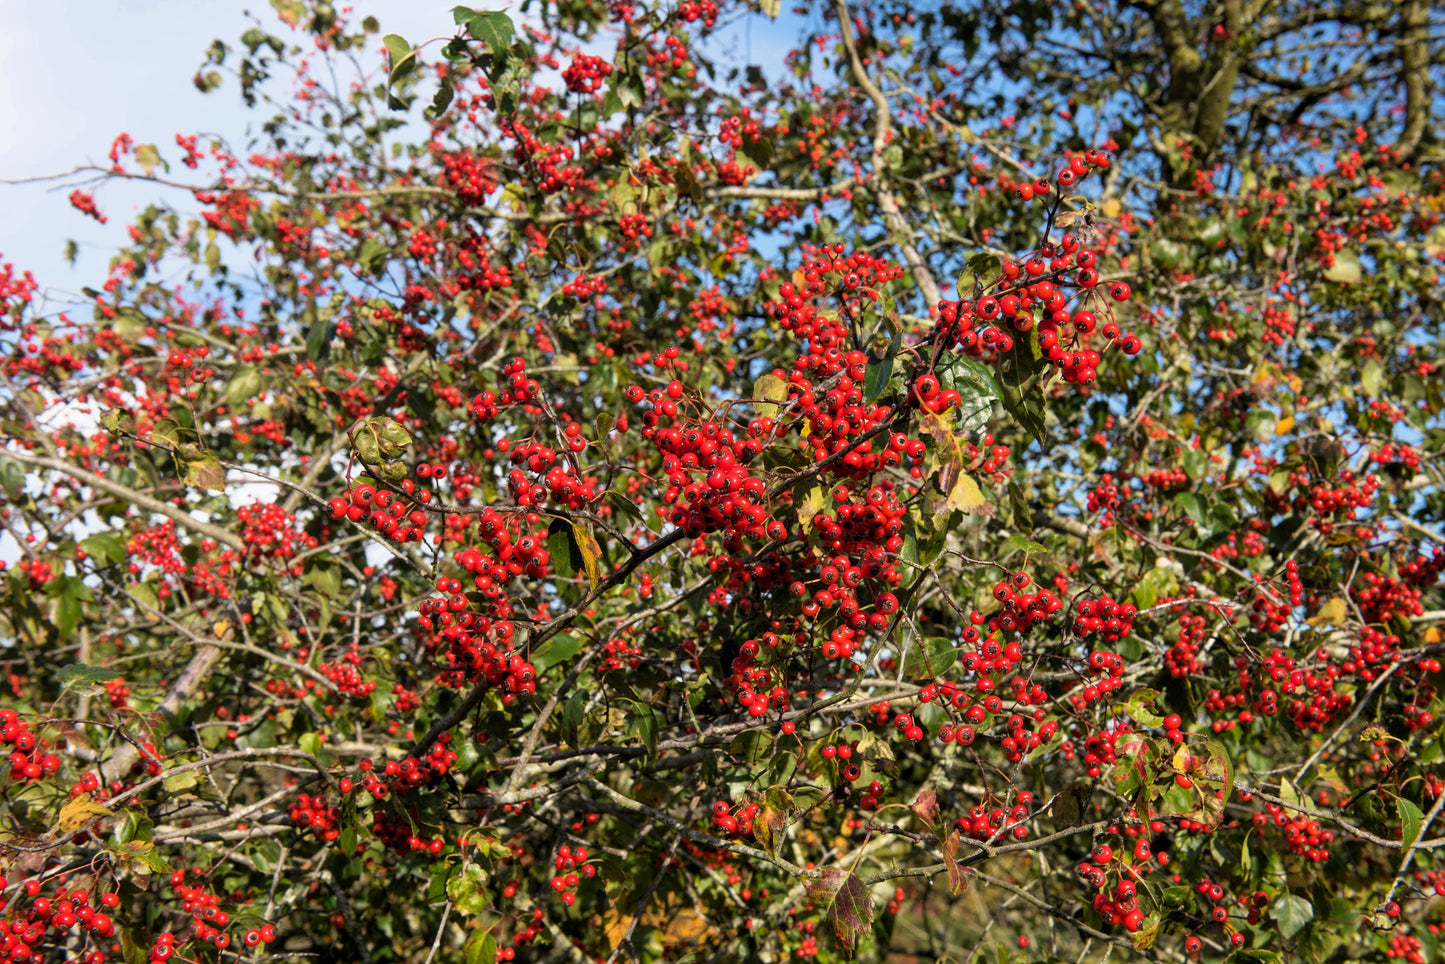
pixel 1019 504
pixel 166 432
pixel 1346 270
pixel 1135 707
pixel 572 716
pixel 318 341
pixel 759 150
pixel 1372 377
pixel 12 472
pixel 558 649
pixel 480 948
pixel 1159 581
pixel 78 676
pixel 70 592
pixel 1027 408
pixel 1410 820
pixel 1292 912
pixel 1193 506
pixel 442 99
pixel 643 723
pixel 622 504
pixel 245 383
pixel 879 372
pixel 392 438
pixel 981 269
pixel 403 57
pixel 931 658
pixel 106 548
pixel 494 28
pixel 562 547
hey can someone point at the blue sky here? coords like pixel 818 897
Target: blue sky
pixel 76 73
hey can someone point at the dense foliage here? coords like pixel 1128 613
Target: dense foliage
pixel 562 492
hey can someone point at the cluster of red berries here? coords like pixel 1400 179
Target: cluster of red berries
pixel 1406 947
pixel 996 823
pixel 469 176
pixel 85 204
pixel 478 272
pixel 50 917
pixel 1381 597
pixel 586 73
pixel 1119 905
pixel 582 287
pixel 1032 300
pixel 572 869
pixel 394 515
pixel 695 10
pixel 1302 835
pixel 734 821
pixel 345 674
pixel 315 814
pixel 270 532
pixel 403 776
pixel 183 362
pixel 1022 610
pixel 1105 617
pixel 1100 748
pixel 28 759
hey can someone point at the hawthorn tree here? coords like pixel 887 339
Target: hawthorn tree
pixel 561 492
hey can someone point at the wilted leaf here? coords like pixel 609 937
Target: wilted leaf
pixel 770 388
pixel 958 874
pixel 464 890
pixel 925 805
pixel 80 812
pixel 590 551
pixel 204 472
pixel 149 159
pixel 848 905
pixel 768 827
pixel 968 498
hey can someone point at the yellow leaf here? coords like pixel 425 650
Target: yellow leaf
pixel 1283 426
pixel 221 628
pixel 80 812
pixel 1295 384
pixel 591 552
pixel 770 388
pixel 966 496
pixel 815 500
pixel 1331 613
pixel 1432 635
